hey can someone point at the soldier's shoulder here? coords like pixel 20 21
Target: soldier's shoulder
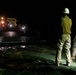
pixel 70 19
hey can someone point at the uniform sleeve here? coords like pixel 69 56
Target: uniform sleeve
pixel 71 21
pixel 61 22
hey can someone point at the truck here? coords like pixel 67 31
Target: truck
pixel 7 23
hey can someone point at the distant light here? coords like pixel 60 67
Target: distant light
pixel 11 25
pixel 2 22
pixel 23 46
pixel 2 18
pixel 23 28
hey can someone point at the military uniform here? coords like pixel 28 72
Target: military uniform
pixel 74 49
pixel 65 40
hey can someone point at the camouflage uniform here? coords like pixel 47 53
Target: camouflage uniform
pixel 74 48
pixel 65 40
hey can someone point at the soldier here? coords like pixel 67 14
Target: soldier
pixel 65 39
pixel 74 49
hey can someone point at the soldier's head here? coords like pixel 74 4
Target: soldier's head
pixel 66 11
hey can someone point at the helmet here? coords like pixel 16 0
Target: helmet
pixel 66 11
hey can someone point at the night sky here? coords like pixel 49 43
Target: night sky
pixel 41 16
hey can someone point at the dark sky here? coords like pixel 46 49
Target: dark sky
pixel 39 15
pixel 34 11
